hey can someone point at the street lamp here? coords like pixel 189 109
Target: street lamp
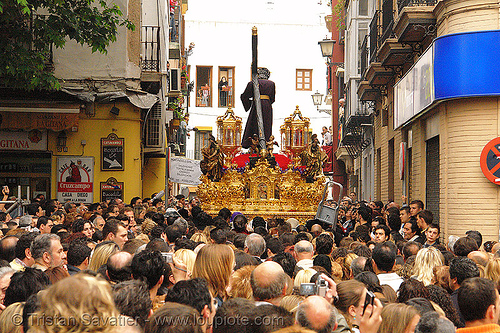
pixel 318 100
pixel 327 48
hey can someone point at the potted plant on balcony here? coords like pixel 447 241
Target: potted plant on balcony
pixel 184 78
pixel 178 111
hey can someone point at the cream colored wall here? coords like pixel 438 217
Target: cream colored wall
pixel 154 176
pixel 91 129
pixel 453 16
pixel 121 60
pixel 468 199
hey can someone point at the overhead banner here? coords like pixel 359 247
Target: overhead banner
pixel 184 171
pixel 75 179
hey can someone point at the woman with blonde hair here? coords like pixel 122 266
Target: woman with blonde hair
pixel 492 270
pixel 399 318
pixel 80 303
pixel 239 283
pixel 303 276
pixel 9 316
pixel 199 237
pixel 426 260
pixel 182 264
pixel 291 302
pixel 215 263
pixel 101 254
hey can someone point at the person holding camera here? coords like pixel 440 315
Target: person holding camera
pixel 316 312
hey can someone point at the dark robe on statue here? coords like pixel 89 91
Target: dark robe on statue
pixel 267 91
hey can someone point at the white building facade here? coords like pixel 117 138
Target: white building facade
pixel 288 35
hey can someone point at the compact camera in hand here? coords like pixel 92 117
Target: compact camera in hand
pixel 319 288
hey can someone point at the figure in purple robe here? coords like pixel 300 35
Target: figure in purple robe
pixel 267 92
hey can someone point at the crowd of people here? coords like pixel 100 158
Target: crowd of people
pixel 153 266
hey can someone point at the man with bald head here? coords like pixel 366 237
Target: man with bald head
pixel 118 267
pixel 269 283
pixel 315 313
pixel 479 257
pixel 304 252
pixel 316 230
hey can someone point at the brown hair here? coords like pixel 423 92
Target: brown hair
pixel 215 263
pixel 349 293
pixel 56 274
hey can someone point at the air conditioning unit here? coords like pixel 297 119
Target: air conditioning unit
pixel 175 79
pixel 155 129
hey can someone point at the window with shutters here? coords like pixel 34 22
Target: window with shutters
pixel 303 79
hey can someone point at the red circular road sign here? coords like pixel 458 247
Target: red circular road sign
pixel 490 161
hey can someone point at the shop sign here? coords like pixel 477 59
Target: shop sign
pixel 185 171
pixel 32 140
pixel 111 189
pixel 112 149
pixel 75 179
pixel 38 120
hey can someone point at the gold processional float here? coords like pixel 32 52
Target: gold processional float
pixel 262 183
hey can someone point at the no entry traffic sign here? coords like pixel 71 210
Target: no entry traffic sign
pixel 490 161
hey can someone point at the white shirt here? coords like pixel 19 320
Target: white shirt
pixel 391 279
pixel 305 263
pixel 327 139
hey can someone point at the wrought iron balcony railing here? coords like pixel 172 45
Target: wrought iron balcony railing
pixel 364 56
pixel 412 3
pixel 150 48
pixel 374 35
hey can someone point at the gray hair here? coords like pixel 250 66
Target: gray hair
pixel 270 291
pixel 431 322
pixel 256 244
pixel 25 221
pixel 42 244
pixel 358 265
pixel 5 270
pixel 94 221
pixel 183 225
pixel 301 318
pixel 67 206
pixel 263 73
pixel 300 249
pixel 452 239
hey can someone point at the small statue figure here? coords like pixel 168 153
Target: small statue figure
pixel 213 160
pixel 254 146
pixel 313 158
pixel 270 145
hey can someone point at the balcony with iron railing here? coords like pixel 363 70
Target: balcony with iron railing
pixel 416 22
pixel 413 3
pixel 387 21
pixel 364 55
pixel 150 49
pixel 175 33
pixel 374 35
